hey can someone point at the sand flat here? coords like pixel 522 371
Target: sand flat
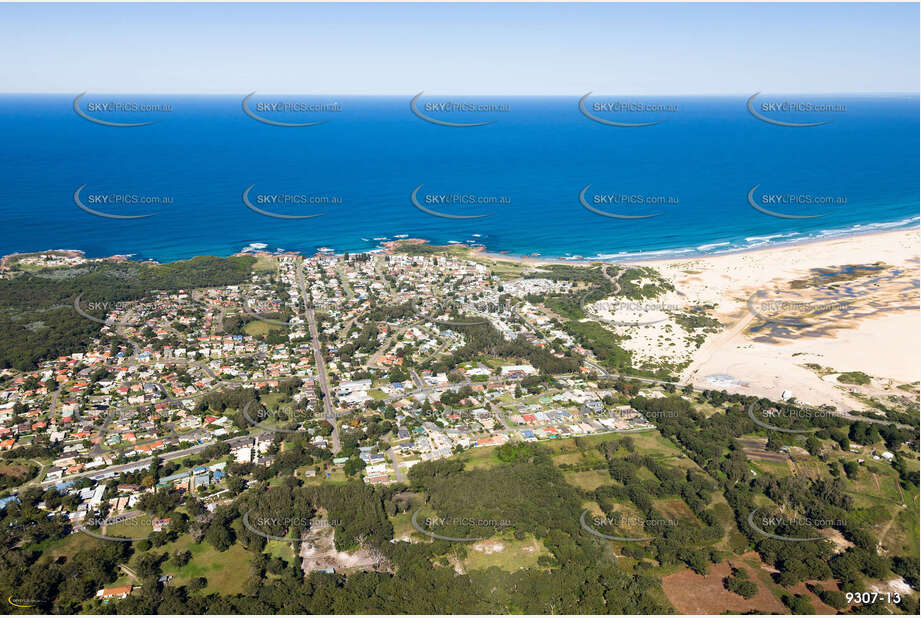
pixel 875 330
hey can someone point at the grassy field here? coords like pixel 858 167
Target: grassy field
pixel 506 553
pixel 493 362
pixel 258 328
pixel 876 481
pixel 336 477
pixel 265 264
pixel 402 525
pixel 137 528
pixel 762 467
pixel 568 459
pixel 647 443
pixel 652 443
pixel 675 509
pixel 226 571
pixel 17 473
pixel 501 268
pixel 590 480
pixel 280 549
pixel 904 531
pixel 726 517
pixel 644 474
pixel 482 457
pixel 67 547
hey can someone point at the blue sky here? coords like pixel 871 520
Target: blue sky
pixel 460 48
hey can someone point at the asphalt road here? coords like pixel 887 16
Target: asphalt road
pixel 322 376
pixel 146 461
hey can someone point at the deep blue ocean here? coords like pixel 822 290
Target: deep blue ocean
pixel 536 156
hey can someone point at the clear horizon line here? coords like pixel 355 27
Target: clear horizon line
pixel 469 94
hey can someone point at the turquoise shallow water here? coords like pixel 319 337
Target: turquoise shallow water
pixel 530 164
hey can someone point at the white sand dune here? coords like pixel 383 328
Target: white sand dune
pixel 877 334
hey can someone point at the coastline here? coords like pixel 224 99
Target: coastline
pixel 649 257
pixel 658 259
pixel 65 253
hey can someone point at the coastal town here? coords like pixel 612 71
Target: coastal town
pixel 356 383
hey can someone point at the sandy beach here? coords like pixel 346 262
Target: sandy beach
pixel 787 327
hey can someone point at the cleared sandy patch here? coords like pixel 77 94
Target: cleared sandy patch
pixel 488 546
pixel 318 552
pixel 653 333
